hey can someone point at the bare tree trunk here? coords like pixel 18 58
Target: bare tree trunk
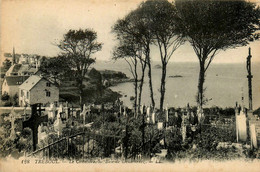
pixel 141 86
pixel 163 86
pixel 150 78
pixel 200 96
pixel 80 98
pixel 135 85
pixel 80 87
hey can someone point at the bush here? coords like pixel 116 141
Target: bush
pixel 5 97
pixel 15 100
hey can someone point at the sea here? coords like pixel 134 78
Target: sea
pixel 225 84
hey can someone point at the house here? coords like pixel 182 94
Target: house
pixel 38 89
pixel 11 84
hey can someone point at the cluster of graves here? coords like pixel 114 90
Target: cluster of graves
pixel 52 119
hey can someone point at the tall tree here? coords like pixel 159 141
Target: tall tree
pixel 130 49
pixel 140 22
pixel 211 26
pixel 136 37
pixel 78 46
pixel 165 33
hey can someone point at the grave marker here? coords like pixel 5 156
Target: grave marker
pixel 34 121
pixel 12 116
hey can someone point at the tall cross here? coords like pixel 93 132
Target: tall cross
pixel 12 116
pixel 34 121
pixel 249 76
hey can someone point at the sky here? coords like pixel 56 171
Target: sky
pixel 34 27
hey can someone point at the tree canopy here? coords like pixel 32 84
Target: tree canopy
pixel 78 46
pixel 211 26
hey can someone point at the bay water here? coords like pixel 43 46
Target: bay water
pixel 225 83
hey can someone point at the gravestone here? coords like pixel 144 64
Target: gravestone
pixel 148 111
pixel 52 110
pixel 120 110
pixel 41 134
pixel 34 121
pixel 153 117
pixel 58 125
pixel 12 116
pixel 125 111
pixel 183 132
pixel 166 114
pixel 200 115
pixel 241 126
pixel 83 113
pixel 142 109
pixel 160 125
pixel 253 136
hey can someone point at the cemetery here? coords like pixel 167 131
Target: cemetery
pixel 135 97
pixel 113 133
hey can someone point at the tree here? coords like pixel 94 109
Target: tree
pixel 125 50
pixel 5 96
pixel 78 46
pixel 134 45
pixel 56 67
pixel 165 33
pixel 96 79
pixel 211 26
pixel 6 65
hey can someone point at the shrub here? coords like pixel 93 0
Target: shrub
pixel 5 97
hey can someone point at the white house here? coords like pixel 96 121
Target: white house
pixel 37 89
pixel 11 84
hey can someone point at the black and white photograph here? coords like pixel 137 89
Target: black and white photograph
pixel 130 85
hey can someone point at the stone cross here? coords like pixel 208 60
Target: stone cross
pixel 51 112
pixel 58 125
pixel 34 121
pixel 12 116
pixel 249 76
pixel 83 113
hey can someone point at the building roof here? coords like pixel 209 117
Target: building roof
pixel 15 80
pixel 28 69
pixel 19 68
pixel 14 68
pixel 30 82
pixel 257 111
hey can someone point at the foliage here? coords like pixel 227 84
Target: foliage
pixel 96 79
pixel 211 26
pixel 5 97
pixel 56 67
pixel 15 99
pixel 14 147
pixel 6 65
pixel 78 47
pixel 202 145
pixel 135 36
pixel 161 13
